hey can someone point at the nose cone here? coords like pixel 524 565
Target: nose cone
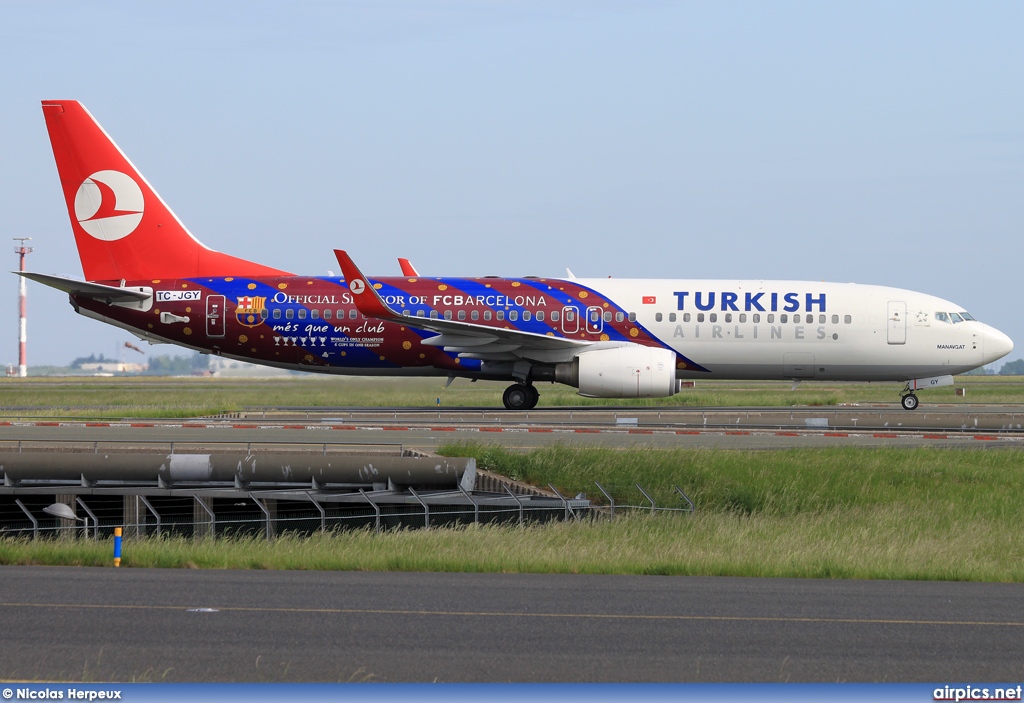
pixel 997 345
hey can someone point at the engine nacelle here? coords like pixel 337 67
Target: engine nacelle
pixel 632 371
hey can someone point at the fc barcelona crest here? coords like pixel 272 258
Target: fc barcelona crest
pixel 251 310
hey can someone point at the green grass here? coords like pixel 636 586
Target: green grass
pixel 938 514
pixel 137 397
pixel 860 543
pixel 778 482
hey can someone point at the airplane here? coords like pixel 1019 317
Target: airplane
pixel 608 338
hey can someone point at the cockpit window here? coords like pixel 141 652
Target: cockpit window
pixel 953 317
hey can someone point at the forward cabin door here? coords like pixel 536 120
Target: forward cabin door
pixel 897 333
pixel 215 316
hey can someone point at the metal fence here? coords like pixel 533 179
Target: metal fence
pixel 211 513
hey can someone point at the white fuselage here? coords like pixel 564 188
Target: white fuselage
pixel 807 330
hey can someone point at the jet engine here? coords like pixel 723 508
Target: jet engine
pixel 632 371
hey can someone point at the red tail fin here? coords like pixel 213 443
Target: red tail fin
pixel 123 229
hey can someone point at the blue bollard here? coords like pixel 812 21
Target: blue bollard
pixel 117 546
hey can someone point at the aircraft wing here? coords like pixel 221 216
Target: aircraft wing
pixel 84 289
pixel 465 338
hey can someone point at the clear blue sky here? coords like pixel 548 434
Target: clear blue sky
pixel 877 142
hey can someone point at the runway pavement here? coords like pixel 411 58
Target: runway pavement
pixel 168 625
pixel 391 429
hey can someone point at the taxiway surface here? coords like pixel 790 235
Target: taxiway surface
pixel 168 625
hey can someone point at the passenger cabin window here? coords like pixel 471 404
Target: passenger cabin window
pixel 526 316
pixel 462 314
pixel 607 316
pixel 475 315
pixel 353 314
pixel 327 314
pixel 619 317
pixel 302 313
pixel 277 313
pixel 540 316
pixel 657 317
pixel 713 317
pixel 513 315
pixel 671 317
pixel 419 313
pixel 447 314
pixel 686 317
pixel 289 314
pixel 433 314
pixel 782 318
pixel 700 317
pixel 314 314
pixel 500 315
pixel 728 317
pixel 810 319
pixel 847 319
pixel 821 319
pixel 835 319
pixel 756 317
pixel 771 318
pixel 487 315
pixel 632 317
pixel 554 315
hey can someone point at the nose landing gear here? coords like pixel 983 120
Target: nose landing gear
pixel 909 401
pixel 520 396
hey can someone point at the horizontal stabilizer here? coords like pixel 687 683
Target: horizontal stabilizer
pixel 84 289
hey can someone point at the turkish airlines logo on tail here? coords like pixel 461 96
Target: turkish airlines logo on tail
pixel 109 205
pixel 357 286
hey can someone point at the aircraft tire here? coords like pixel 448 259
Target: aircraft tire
pixel 534 397
pixel 518 397
pixel 909 402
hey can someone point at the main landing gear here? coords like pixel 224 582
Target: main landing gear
pixel 520 396
pixel 909 401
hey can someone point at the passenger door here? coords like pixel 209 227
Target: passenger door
pixel 897 332
pixel 215 316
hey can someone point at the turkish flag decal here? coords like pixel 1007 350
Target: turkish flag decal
pixel 649 300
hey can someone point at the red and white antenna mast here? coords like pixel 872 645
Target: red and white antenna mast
pixel 22 251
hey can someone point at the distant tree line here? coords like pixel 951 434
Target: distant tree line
pixel 166 365
pixel 1010 368
pixel 91 359
pixel 163 365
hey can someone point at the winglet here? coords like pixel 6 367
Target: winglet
pixel 366 298
pixel 407 268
